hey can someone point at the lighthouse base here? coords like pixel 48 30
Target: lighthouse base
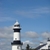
pixel 16 45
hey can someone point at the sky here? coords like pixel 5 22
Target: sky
pixel 33 16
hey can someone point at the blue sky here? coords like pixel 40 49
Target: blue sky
pixel 33 15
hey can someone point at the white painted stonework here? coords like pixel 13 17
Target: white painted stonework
pixel 16 36
pixel 16 47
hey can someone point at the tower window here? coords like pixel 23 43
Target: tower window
pixel 49 47
pixel 16 30
pixel 15 38
pixel 17 47
pixel 16 25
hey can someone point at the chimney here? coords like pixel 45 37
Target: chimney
pixel 48 42
pixel 41 43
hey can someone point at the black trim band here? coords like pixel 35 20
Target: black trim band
pixel 16 30
pixel 16 43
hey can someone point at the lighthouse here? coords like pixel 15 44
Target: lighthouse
pixel 16 44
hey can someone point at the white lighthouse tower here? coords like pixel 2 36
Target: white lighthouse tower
pixel 16 44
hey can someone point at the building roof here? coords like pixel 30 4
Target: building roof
pixel 40 46
pixel 17 23
pixel 48 39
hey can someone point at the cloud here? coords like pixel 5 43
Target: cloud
pixel 33 12
pixel 27 42
pixel 46 35
pixel 6 35
pixel 2 19
pixel 1 44
pixel 6 32
pixel 32 34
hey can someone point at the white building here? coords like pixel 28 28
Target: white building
pixel 16 44
pixel 45 46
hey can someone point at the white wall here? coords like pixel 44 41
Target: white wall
pixel 17 36
pixel 16 47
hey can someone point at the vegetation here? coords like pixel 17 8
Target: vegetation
pixel 28 47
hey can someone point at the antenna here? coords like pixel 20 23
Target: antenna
pixel 48 39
